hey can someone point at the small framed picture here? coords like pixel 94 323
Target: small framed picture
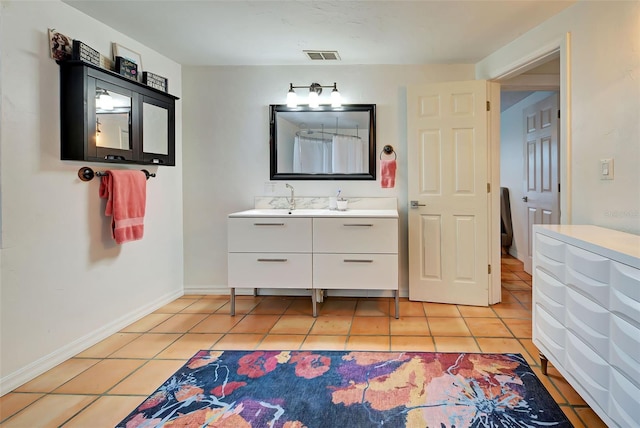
pixel 128 54
pixel 155 81
pixel 61 46
pixel 126 68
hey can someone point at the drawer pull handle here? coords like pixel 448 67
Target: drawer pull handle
pixel 358 225
pixel 357 261
pixel 268 224
pixel 272 260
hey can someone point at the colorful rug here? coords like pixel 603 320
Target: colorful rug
pixel 297 389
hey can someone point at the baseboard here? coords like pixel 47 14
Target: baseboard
pixel 36 368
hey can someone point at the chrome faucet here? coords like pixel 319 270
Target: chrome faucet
pixel 292 201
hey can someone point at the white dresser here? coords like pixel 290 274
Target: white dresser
pixel 316 249
pixel 586 314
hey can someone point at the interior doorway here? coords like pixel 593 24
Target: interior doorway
pixel 518 94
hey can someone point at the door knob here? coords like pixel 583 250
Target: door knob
pixel 525 198
pixel 415 204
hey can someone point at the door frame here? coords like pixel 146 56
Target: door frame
pixel 542 54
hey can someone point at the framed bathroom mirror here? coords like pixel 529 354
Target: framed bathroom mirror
pixel 323 143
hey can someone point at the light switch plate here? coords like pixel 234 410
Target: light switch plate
pixel 606 169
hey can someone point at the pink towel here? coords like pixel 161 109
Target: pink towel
pixel 126 194
pixel 388 172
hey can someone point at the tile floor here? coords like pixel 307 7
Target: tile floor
pixel 100 386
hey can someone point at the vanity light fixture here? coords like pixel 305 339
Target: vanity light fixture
pixel 104 101
pixel 315 89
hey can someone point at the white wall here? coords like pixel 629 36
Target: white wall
pixel 226 147
pixel 512 166
pixel 65 284
pixel 605 101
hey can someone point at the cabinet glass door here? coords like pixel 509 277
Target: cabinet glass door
pixel 113 120
pixel 155 125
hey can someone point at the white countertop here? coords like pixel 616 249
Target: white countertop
pixel 621 246
pixel 316 213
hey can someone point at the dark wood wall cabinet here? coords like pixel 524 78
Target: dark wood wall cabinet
pixel 106 117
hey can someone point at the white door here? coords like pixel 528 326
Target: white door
pixel 541 150
pixel 448 171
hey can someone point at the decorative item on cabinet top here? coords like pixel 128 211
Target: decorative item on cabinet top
pixel 136 125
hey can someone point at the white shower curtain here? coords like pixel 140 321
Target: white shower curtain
pixel 311 155
pixel 348 154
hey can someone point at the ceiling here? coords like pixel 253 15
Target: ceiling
pixel 241 32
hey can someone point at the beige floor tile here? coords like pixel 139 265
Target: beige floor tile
pixel 368 343
pixel 300 307
pixel 13 402
pixel 409 326
pixel 513 312
pixel 411 309
pixel 523 296
pixel 244 305
pixel 52 379
pixel 445 326
pixel 519 328
pixel 367 325
pixel 373 308
pixel 109 345
pixel 238 342
pixel 285 342
pixel 589 417
pixel 336 325
pixel 516 285
pixel 509 276
pixel 324 342
pixel 100 377
pixel 147 323
pixel 532 350
pixel 204 306
pixel 179 323
pixel 293 324
pixel 337 306
pixel 440 310
pixel 255 324
pixel 49 411
pixel 456 344
pixel 272 306
pixel 186 346
pixel 476 311
pixel 500 345
pixel 146 346
pixel 412 343
pixel 488 327
pixel 523 275
pixel 216 323
pixel 177 305
pixel 105 412
pixel 508 297
pixel 147 378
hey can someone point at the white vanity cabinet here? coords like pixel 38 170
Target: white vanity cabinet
pixel 313 249
pixel 586 314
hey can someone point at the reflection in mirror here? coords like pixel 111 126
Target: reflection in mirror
pixel 323 143
pixel 155 123
pixel 113 120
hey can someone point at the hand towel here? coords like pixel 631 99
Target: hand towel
pixel 126 195
pixel 388 173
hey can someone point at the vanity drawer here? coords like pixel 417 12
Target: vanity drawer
pixel 355 235
pixel 268 270
pixel 355 271
pixel 272 234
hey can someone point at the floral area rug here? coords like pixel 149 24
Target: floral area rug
pixel 296 389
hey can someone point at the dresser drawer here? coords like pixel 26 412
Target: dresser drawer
pixel 268 270
pixel 625 292
pixel 624 407
pixel 590 370
pixel 625 348
pixel 355 235
pixel 278 235
pixel 355 271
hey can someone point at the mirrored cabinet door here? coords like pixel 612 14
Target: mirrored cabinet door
pixel 158 132
pixel 112 117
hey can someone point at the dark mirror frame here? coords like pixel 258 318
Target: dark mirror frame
pixel 274 109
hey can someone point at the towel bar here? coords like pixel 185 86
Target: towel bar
pixel 86 173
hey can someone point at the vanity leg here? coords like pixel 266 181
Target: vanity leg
pixel 313 302
pixel 255 292
pixel 543 363
pixel 397 293
pixel 232 312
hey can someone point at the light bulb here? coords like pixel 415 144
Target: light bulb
pixel 314 100
pixel 292 99
pixel 106 102
pixel 336 99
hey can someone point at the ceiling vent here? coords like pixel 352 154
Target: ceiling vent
pixel 323 55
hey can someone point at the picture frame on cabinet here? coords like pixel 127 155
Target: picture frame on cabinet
pixel 128 54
